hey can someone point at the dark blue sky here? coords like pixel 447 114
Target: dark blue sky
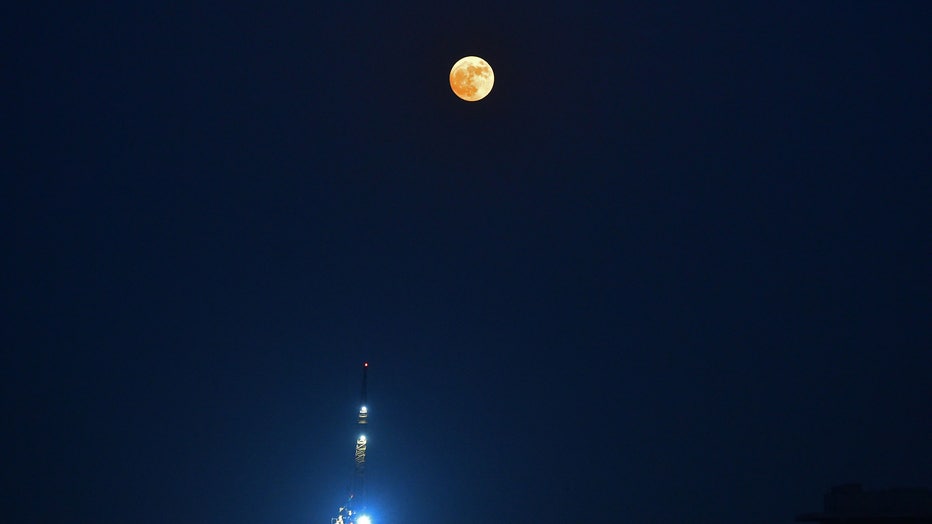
pixel 673 269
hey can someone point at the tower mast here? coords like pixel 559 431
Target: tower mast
pixel 353 511
pixel 359 477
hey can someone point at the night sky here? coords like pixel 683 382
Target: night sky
pixel 675 268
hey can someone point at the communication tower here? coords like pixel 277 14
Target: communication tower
pixel 353 511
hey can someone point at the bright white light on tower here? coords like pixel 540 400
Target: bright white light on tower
pixel 364 519
pixel 362 438
pixel 363 410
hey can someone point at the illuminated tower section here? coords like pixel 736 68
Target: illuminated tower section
pixel 359 478
pixel 354 510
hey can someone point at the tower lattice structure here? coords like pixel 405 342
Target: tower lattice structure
pixel 353 510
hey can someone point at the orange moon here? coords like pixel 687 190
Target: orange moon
pixel 471 78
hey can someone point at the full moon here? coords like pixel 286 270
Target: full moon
pixel 471 78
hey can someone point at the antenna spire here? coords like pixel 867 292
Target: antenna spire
pixel 353 511
pixel 365 367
